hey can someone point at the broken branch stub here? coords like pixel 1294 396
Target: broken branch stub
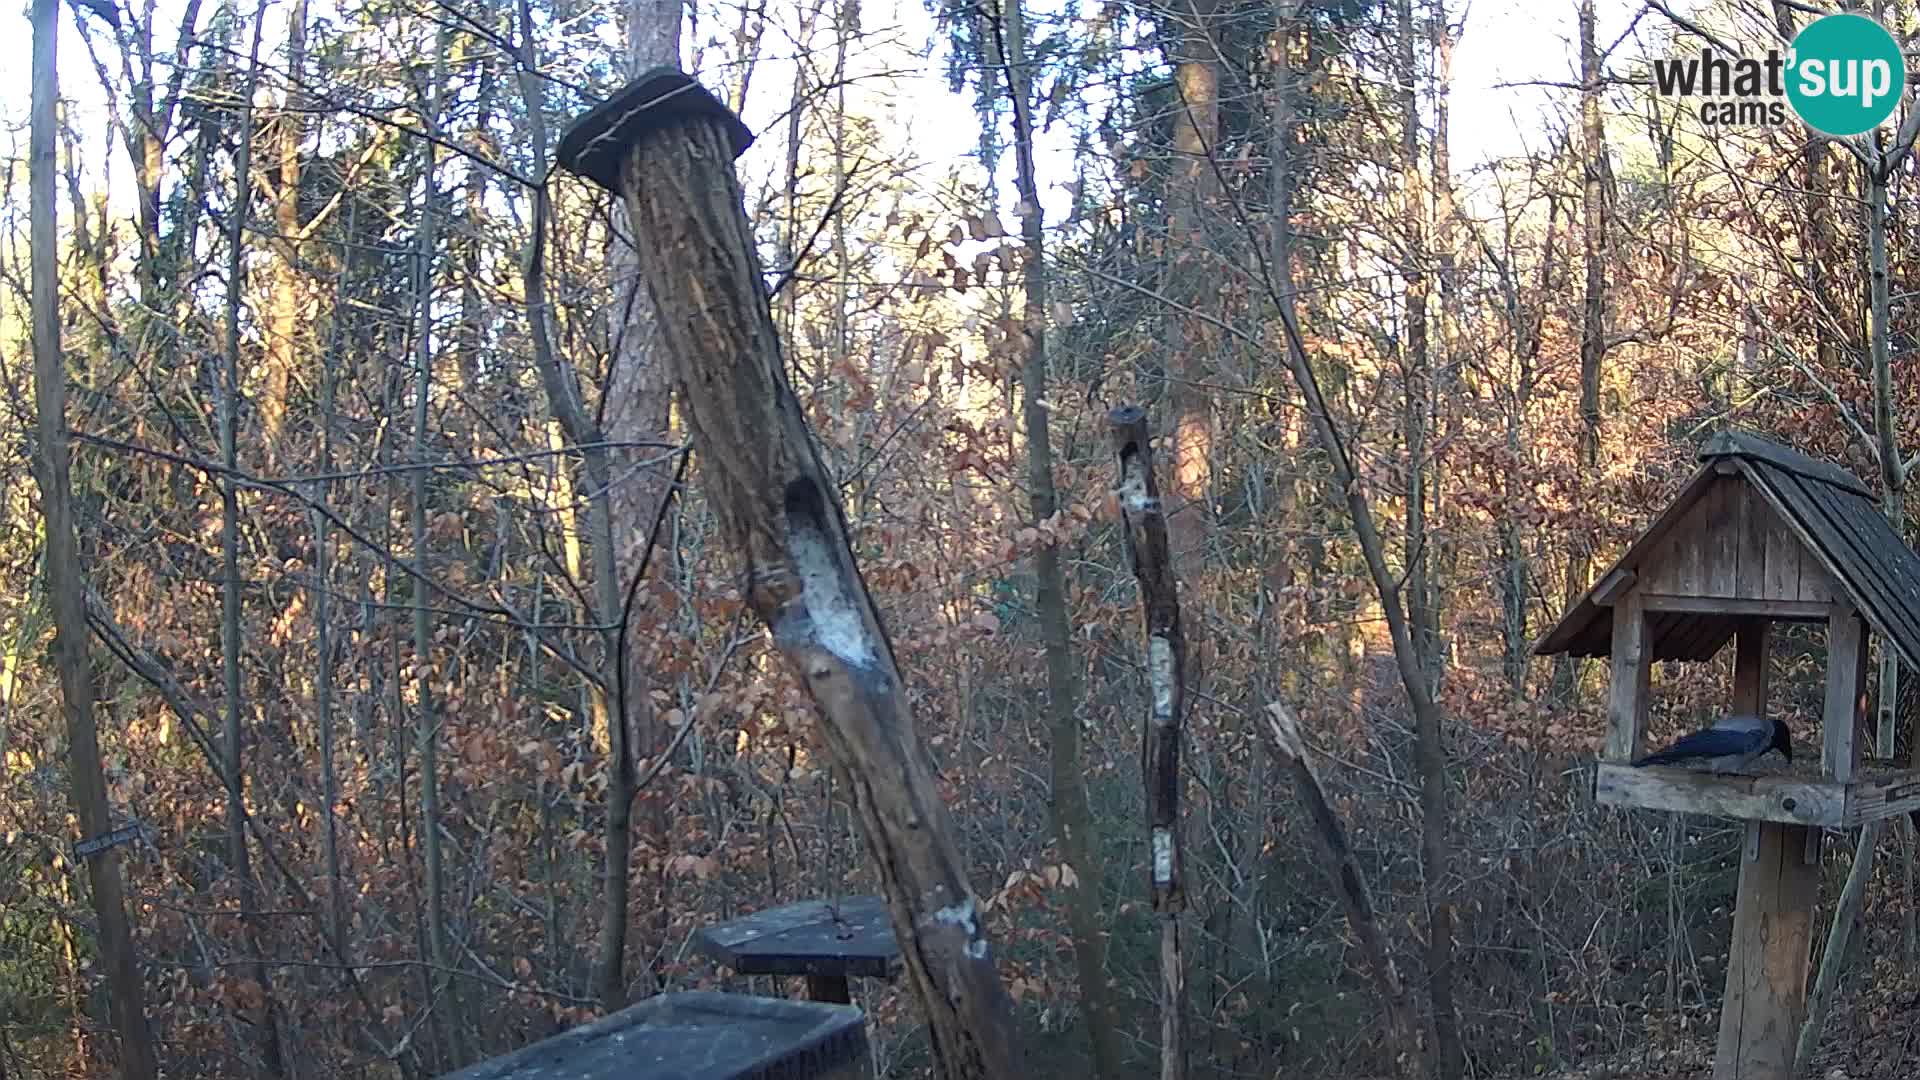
pixel 667 147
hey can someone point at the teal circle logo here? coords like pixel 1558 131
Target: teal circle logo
pixel 1845 74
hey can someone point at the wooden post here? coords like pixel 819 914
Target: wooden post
pixel 1846 648
pixel 829 988
pixel 1632 662
pixel 667 147
pixel 1766 996
pixel 1750 666
pixel 1146 521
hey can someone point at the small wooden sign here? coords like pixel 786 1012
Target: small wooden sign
pixel 100 843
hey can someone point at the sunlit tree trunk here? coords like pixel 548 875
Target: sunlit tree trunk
pixel 66 583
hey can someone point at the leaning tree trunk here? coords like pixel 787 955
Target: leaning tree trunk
pixel 667 146
pixel 65 581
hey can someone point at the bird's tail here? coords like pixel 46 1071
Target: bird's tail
pixel 1664 757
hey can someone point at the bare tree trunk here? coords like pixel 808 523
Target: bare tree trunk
pixel 563 400
pixel 1416 364
pixel 634 409
pixel 427 720
pixel 1141 508
pixel 1073 819
pixel 234 739
pixel 1196 132
pixel 1593 308
pixel 66 582
pixel 779 511
pixel 283 306
pixel 322 618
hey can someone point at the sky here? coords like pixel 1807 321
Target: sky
pixel 1504 42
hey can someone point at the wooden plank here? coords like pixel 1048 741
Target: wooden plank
pixel 1720 541
pixel 1751 667
pixel 1801 610
pixel 1632 665
pixel 1752 542
pixel 1843 701
pixel 1790 799
pixel 1879 799
pixel 1766 996
pixel 1783 559
pixel 1687 562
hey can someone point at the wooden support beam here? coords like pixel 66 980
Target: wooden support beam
pixel 1750 666
pixel 1632 662
pixel 1617 581
pixel 1846 647
pixel 1797 610
pixel 1766 997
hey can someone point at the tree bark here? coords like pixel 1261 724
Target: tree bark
pixel 1147 542
pixel 779 510
pixel 283 306
pixel 1416 363
pixel 1593 306
pixel 563 400
pixel 427 718
pixel 1073 819
pixel 66 580
pixel 1195 187
pixel 234 736
pixel 634 411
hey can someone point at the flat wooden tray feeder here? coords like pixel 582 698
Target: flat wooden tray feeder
pixel 1759 534
pixel 826 941
pixel 697 1036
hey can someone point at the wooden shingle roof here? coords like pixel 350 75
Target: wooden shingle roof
pixel 1841 533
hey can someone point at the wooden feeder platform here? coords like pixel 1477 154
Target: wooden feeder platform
pixel 825 941
pixel 697 1036
pixel 1760 534
pixel 1793 797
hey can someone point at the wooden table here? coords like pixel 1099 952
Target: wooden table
pixel 826 941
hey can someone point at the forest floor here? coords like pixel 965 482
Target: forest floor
pixel 1873 1032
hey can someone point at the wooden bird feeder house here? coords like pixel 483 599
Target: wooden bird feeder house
pixel 1759 534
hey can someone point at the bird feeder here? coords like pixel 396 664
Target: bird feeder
pixel 697 1036
pixel 1760 534
pixel 826 942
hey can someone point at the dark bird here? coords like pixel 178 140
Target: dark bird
pixel 1732 744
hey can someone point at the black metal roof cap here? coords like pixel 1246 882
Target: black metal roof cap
pixel 596 143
